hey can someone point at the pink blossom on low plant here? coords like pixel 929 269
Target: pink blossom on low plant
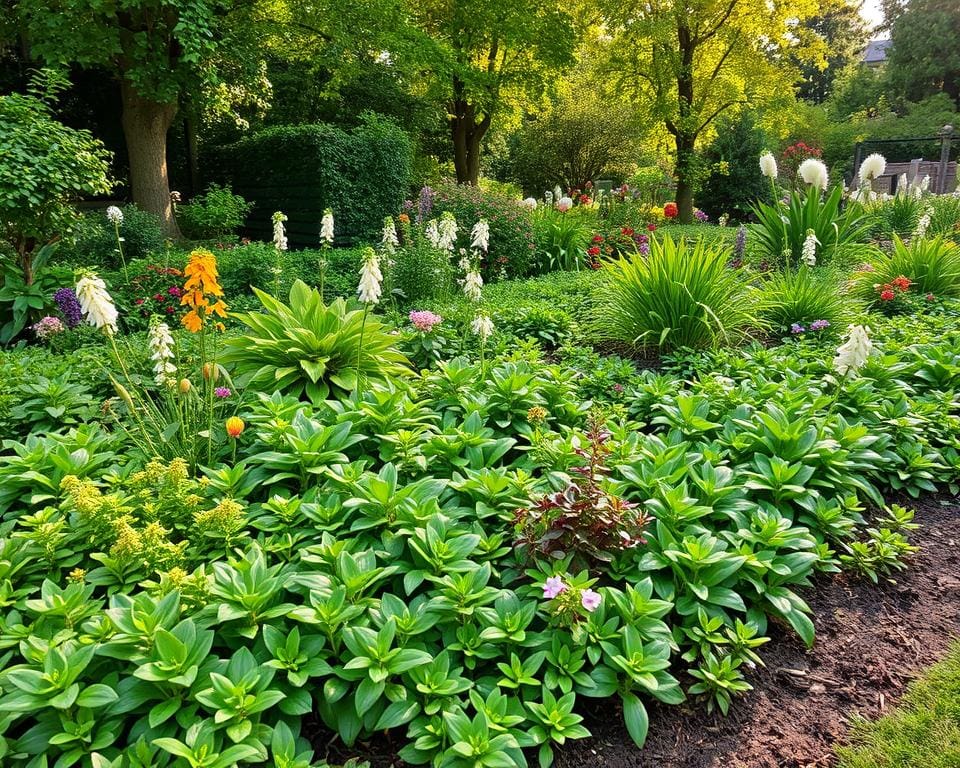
pixel 424 320
pixel 48 326
pixel 552 587
pixel 590 600
pixel 222 392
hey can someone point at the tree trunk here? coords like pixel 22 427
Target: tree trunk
pixel 145 126
pixel 467 134
pixel 684 137
pixel 686 160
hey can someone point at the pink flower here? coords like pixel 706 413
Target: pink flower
pixel 553 587
pixel 589 599
pixel 222 392
pixel 424 321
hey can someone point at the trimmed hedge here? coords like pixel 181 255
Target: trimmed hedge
pixel 362 174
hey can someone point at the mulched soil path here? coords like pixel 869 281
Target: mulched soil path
pixel 871 641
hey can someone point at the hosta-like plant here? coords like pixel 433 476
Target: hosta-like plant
pixel 311 350
pixel 680 295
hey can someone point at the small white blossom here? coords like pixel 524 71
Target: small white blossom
pixel 389 238
pixel 564 204
pixel 768 165
pixel 161 352
pixel 925 183
pixel 96 304
pixel 432 233
pixel 557 192
pixel 809 253
pixel 872 167
pixel 855 351
pixel 326 227
pixel 473 285
pixel 922 225
pixel 114 215
pixel 279 232
pixel 368 291
pixel 448 232
pixel 548 197
pixel 482 326
pixel 902 184
pixel 531 203
pixel 814 172
pixel 480 236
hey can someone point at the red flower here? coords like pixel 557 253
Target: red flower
pixel 670 210
pixel 594 250
pixel 627 232
pixel 651 227
pixel 138 302
pixel 903 283
pixel 887 296
pixel 584 199
pixel 931 297
pixel 598 238
pixel 158 297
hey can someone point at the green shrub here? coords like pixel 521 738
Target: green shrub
pixel 732 183
pixel 679 295
pixel 562 238
pixel 931 264
pixel 512 245
pixel 94 242
pixel 547 326
pixel 782 229
pixel 945 216
pixel 897 215
pixel 306 349
pixel 418 271
pixel 215 214
pixel 804 296
pixel 362 175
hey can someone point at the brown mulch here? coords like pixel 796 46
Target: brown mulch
pixel 871 641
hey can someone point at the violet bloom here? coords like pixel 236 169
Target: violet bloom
pixel 819 325
pixel 590 600
pixel 701 216
pixel 552 587
pixel 740 244
pixel 797 328
pixel 644 248
pixel 424 204
pixel 69 305
pixel 222 392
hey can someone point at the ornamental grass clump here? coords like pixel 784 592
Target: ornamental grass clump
pixel 932 265
pixel 680 295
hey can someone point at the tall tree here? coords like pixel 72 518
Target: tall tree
pixel 485 54
pixel 164 53
pixel 843 30
pixel 694 60
pixel 924 57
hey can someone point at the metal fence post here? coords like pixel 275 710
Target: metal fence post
pixel 946 137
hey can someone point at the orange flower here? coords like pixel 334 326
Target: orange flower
pixel 903 283
pixel 403 218
pixel 235 426
pixel 200 287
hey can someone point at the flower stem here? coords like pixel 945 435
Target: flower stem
pixel 363 323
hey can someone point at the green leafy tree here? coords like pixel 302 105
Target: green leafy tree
pixel 844 32
pixel 692 60
pixel 165 54
pixel 924 57
pixel 733 182
pixel 484 56
pixel 44 165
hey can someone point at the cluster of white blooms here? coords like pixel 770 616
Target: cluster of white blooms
pixel 855 351
pixel 814 172
pixel 161 352
pixel 482 326
pixel 279 231
pixel 96 304
pixel 809 253
pixel 923 224
pixel 548 198
pixel 389 239
pixel 531 203
pixel 114 215
pixel 768 165
pixel 447 230
pixel 368 291
pixel 480 236
pixel 473 285
pixel 326 227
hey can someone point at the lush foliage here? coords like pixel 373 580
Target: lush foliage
pixel 93 242
pixel 217 213
pixel 680 295
pixel 932 266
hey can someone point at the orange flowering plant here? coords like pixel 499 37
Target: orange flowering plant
pixel 201 291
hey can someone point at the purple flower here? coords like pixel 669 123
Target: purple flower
pixel 553 587
pixel 222 392
pixel 797 328
pixel 590 600
pixel 819 325
pixel 67 301
pixel 740 244
pixel 701 216
pixel 424 204
pixel 644 248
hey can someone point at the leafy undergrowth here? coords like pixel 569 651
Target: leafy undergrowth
pixel 923 732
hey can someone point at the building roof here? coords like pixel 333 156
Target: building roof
pixel 876 52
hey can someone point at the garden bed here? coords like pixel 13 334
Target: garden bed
pixel 871 641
